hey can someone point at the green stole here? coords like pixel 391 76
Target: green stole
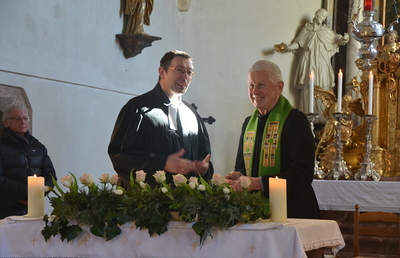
pixel 270 160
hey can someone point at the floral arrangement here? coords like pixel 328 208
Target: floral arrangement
pixel 105 207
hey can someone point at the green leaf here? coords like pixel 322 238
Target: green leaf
pixel 73 231
pixel 97 230
pixel 74 186
pixel 57 186
pixel 112 231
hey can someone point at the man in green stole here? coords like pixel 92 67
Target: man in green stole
pixel 276 141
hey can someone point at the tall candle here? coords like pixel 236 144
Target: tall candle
pixel 370 92
pixel 277 199
pixel 339 91
pixel 35 196
pixel 368 5
pixel 311 104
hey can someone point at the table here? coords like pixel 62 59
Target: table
pixel 343 195
pixel 22 238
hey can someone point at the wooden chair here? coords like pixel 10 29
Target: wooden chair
pixel 382 229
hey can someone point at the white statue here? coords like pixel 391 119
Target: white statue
pixel 316 44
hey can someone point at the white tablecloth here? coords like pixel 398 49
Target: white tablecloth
pixel 274 240
pixel 343 195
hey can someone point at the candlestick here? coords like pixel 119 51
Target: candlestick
pixel 370 92
pixel 311 104
pixel 277 199
pixel 339 94
pixel 368 5
pixel 35 196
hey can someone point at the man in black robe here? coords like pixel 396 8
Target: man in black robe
pixel 158 131
pixel 276 141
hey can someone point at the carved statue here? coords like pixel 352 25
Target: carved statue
pixel 391 44
pixel 137 13
pixel 316 44
pixel 325 148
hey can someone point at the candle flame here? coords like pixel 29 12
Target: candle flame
pixel 34 175
pixel 276 177
pixel 340 70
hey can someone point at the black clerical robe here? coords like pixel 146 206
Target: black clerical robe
pixel 142 138
pixel 297 163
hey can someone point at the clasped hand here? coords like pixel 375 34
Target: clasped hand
pixel 178 165
pixel 234 179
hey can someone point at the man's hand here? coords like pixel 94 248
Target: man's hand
pixel 201 167
pixel 178 165
pixel 238 182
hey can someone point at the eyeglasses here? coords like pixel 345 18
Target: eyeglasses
pixel 19 119
pixel 181 71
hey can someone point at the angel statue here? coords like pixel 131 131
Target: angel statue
pixel 325 150
pixel 137 13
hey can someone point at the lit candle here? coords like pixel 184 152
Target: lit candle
pixel 311 106
pixel 370 92
pixel 368 5
pixel 339 91
pixel 35 196
pixel 277 199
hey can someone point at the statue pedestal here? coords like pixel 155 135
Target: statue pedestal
pixel 133 44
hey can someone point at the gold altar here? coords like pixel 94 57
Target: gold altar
pixel 385 151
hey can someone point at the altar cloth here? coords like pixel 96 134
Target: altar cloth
pixel 23 238
pixel 343 195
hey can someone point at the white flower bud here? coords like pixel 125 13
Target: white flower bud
pixel 192 185
pixel 118 192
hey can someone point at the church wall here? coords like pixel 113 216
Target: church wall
pixel 66 57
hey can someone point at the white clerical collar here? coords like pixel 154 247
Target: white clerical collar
pixel 173 112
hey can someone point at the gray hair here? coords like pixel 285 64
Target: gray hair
pixel 7 112
pixel 274 72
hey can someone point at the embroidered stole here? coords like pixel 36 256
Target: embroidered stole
pixel 270 160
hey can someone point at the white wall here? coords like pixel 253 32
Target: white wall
pixel 66 57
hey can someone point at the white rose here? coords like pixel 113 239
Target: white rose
pixel 86 179
pixel 159 176
pixel 194 180
pixel 105 177
pixel 226 190
pixel 217 179
pixel 179 179
pixel 66 184
pixel 67 180
pixel 45 188
pixel 140 176
pixel 114 179
pixel 201 188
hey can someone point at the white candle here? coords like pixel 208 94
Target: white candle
pixel 35 196
pixel 339 92
pixel 277 199
pixel 370 92
pixel 311 104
